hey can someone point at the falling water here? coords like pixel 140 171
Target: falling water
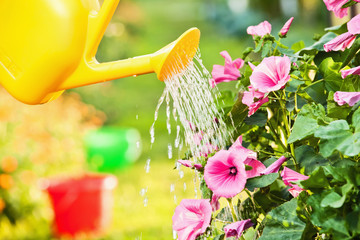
pixel 194 105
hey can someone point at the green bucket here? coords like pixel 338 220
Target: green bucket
pixel 110 148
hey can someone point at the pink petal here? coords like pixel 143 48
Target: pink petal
pixel 354 25
pixel 225 174
pixel 355 70
pixel 295 191
pixel 336 7
pixel 273 168
pixel 186 163
pixel 252 66
pixel 350 98
pixel 289 176
pixel 236 229
pixel 239 149
pixel 286 27
pixel 255 106
pixel 271 74
pixel 191 218
pixel 198 166
pixel 340 43
pixel 261 29
pixel 215 204
pixel 257 167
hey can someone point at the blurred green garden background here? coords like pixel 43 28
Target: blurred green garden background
pixel 47 141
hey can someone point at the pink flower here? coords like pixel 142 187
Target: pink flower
pixel 290 176
pixel 261 29
pixel 215 204
pixel 191 218
pixel 286 27
pixel 271 74
pixel 353 25
pixel 236 229
pixel 355 70
pixel 336 7
pixel 273 168
pixel 340 43
pixel 227 73
pixel 225 173
pixel 250 96
pixel 350 98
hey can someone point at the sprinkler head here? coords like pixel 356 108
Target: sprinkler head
pixel 175 57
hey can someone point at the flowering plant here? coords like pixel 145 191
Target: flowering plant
pixel 292 172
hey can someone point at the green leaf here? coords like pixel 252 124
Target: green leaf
pixel 266 48
pixel 259 46
pixel 238 112
pixel 339 29
pixel 319 45
pixel 338 136
pixel 225 99
pixel 317 92
pixel 333 200
pixel 330 219
pixel 261 181
pixel 293 85
pixel 308 159
pixel 298 46
pixel 307 121
pixel 259 118
pixel 356 120
pixel 282 223
pixel 330 71
pixel 317 181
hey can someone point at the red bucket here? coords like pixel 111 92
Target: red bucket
pixel 82 205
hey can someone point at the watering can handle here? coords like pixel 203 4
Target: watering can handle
pixel 97 26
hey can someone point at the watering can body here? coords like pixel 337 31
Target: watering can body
pixel 48 46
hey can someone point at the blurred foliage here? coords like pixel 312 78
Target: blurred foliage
pixel 38 142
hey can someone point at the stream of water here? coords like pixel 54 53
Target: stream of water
pixel 194 105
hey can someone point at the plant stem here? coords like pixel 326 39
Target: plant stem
pixel 278 140
pixel 233 213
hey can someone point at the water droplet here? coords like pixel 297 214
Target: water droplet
pixel 137 116
pixel 181 174
pixel 138 144
pixel 184 186
pixel 143 191
pixel 175 199
pixel 134 75
pixel 172 187
pixel 152 134
pixel 169 151
pixel 174 235
pixel 146 201
pixel 147 165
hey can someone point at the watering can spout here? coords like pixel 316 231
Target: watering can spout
pixel 166 62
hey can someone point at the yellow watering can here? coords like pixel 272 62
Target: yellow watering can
pixel 48 46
